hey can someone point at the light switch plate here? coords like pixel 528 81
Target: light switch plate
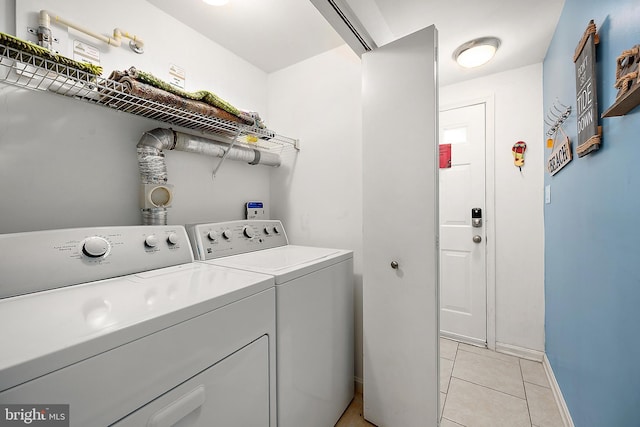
pixel 547 194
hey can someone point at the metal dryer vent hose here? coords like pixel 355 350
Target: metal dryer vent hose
pixel 153 169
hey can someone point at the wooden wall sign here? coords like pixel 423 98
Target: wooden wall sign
pixel 586 96
pixel 560 157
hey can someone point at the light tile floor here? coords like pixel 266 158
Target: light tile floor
pixel 479 388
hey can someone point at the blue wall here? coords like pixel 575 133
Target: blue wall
pixel 592 232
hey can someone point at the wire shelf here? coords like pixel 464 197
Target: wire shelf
pixel 30 71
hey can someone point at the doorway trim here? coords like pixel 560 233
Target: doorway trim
pixel 490 192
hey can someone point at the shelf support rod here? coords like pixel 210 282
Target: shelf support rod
pixel 235 139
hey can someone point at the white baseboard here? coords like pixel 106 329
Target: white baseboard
pixel 557 394
pixel 525 353
pixel 463 339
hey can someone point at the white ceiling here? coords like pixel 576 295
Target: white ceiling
pixel 271 34
pixel 274 34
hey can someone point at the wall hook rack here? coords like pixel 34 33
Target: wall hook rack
pixel 556 116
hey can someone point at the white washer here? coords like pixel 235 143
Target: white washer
pixel 120 324
pixel 314 312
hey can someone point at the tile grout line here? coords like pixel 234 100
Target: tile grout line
pixel 494 358
pixel 455 354
pixel 529 382
pixel 446 395
pixel 451 421
pixel 543 372
pixel 487 387
pixel 525 392
pixel 491 388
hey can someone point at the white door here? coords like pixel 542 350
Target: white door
pixel 463 283
pixel 400 225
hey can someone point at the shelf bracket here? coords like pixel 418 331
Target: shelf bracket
pixel 235 139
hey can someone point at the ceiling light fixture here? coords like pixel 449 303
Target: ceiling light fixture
pixel 476 52
pixel 216 2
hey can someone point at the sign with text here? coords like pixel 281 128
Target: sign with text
pixel 586 96
pixel 445 156
pixel 83 52
pixel 177 76
pixel 560 157
pixel 34 415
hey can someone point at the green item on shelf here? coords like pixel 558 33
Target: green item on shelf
pixel 201 95
pixel 32 48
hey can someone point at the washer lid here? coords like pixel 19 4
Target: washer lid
pixel 285 262
pixel 45 331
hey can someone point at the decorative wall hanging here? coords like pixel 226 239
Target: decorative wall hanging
pixel 627 83
pixel 445 156
pixel 560 155
pixel 518 153
pixel 589 133
pixel 556 116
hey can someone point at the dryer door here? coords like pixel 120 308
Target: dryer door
pixel 232 393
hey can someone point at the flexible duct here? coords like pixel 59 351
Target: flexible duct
pixel 153 169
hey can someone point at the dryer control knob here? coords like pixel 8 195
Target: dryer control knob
pixel 276 229
pixel 248 232
pixel 212 235
pixel 267 230
pixel 226 234
pixel 173 239
pixel 95 247
pixel 151 241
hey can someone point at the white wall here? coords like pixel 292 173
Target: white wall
pixel 318 192
pixel 7 14
pixel 66 163
pixel 518 208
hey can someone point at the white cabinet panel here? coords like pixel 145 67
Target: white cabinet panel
pixel 401 224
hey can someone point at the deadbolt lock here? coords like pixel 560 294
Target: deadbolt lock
pixel 476 217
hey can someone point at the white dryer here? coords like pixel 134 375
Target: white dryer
pixel 314 313
pixel 120 324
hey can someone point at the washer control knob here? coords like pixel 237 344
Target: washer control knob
pixel 95 247
pixel 276 229
pixel 267 230
pixel 226 234
pixel 212 235
pixel 248 232
pixel 151 241
pixel 172 239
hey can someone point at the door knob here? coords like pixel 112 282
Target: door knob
pixel 394 265
pixel 477 238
